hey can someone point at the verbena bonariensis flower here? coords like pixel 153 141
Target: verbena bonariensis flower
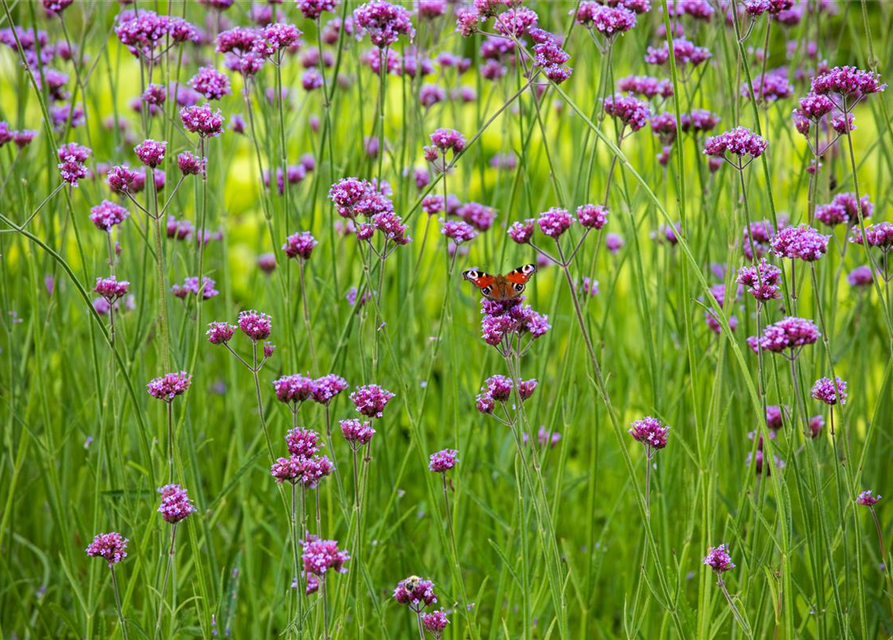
pixel 867 500
pixel 321 556
pixel 190 286
pixel 111 288
pixel 699 121
pixel 72 157
pixel 506 321
pixel 144 31
pixel 775 416
pixel 300 470
pixel 614 242
pixel 633 113
pixel 326 388
pixel 800 243
pixel 685 52
pixel 371 399
pixel 549 56
pixel 299 245
pixel 151 152
pixel 443 461
pixel 175 503
pixel 850 83
pixel 220 332
pixel 435 623
pixel 191 164
pixel 650 432
pixel 646 86
pixel 169 386
pixel 294 389
pixel 415 593
pixel 610 21
pixel 516 22
pixel 121 179
pixel 860 276
pixel 356 432
pixel 355 197
pixel 302 442
pixel 791 334
pixel 816 424
pixel 544 438
pixel 448 140
pixel 479 216
pixel 718 559
pixel 554 222
pixel 255 325
pixel 383 22
pixel 210 83
pixel 276 38
pixel 313 9
pixel 761 281
pixel 522 232
pixel 108 214
pixel 772 7
pixel 768 88
pixel 110 546
pixel 878 235
pixel 202 120
pixel 740 141
pixel 458 231
pixel 825 390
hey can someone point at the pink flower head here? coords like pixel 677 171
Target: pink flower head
pixel 468 21
pixel 860 276
pixel 650 432
pixel 210 83
pixel 848 82
pixel 107 215
pixel 828 392
pixel 151 152
pixel 614 242
pixel 768 88
pixel 111 546
pixel 191 164
pixel 111 288
pixel 203 121
pixel 313 9
pixel 303 443
pixel 610 21
pixel 220 332
pixel 294 389
pixel 499 388
pixel 415 593
pixel 789 333
pixel 739 141
pixel 522 232
pixel 275 38
pixel 356 432
pixel 448 140
pixel 299 245
pixel 555 222
pixel 169 386
pixel 255 325
pixel 458 231
pixel 383 22
pixel 549 56
pixel 190 286
pixel 815 106
pixel 175 503
pixel 878 235
pixel 435 623
pixel 72 157
pixel 867 500
pixel 326 388
pixel 761 281
pixel 800 243
pixel 592 216
pixel 320 556
pixel 479 216
pixel 646 86
pixel 371 399
pixel 718 559
pixel 121 179
pixel 632 112
pixel 443 461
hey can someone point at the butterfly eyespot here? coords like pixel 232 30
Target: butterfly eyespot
pixel 487 290
pixel 519 288
pixel 528 268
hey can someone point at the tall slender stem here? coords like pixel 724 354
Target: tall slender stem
pixel 167 573
pixel 120 611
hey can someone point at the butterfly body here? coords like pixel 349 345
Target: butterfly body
pixel 504 287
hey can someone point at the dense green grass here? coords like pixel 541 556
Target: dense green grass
pixel 550 542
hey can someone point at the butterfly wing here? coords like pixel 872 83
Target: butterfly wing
pixel 517 279
pixel 483 281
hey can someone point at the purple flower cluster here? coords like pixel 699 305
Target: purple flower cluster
pixel 321 556
pixel 415 593
pixel 848 82
pixel 768 88
pixel 831 393
pixel 435 623
pixel 739 141
pixel 458 231
pixel 505 320
pixel 308 472
pixel 210 83
pixel 191 164
pixel 592 216
pixel 772 7
pixel 443 461
pixel 549 56
pixel 202 120
pixel 646 86
pixel 151 152
pixel 800 243
pixel 111 288
pixel 555 222
pixel 72 157
pixel 169 386
pixel 107 215
pixel 448 140
pixel 144 31
pixel 718 559
pixel 220 332
pixel 371 399
pixel 650 432
pixel 302 442
pixel 522 232
pixel 878 235
pixel 761 281
pixel 867 500
pixel 326 388
pixel 606 20
pixel 299 245
pixel 860 276
pixel 632 112
pixel 190 286
pixel 383 22
pixel 111 546
pixel 175 503
pixel 313 9
pixel 685 52
pixel 294 389
pixel 255 325
pixel 790 333
pixel 844 209
pixel 356 432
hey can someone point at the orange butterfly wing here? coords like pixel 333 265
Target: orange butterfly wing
pixel 522 274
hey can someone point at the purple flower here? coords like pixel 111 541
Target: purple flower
pixel 860 277
pixel 718 559
pixel 479 216
pixel 299 245
pixel 294 389
pixel 607 20
pixel 384 22
pixel 761 281
pixel 448 140
pixel 269 348
pixel 522 232
pixel 169 386
pixel 816 424
pixel 772 7
pixel 614 242
pixel 371 399
pixel 458 231
pixel 435 622
pixel 108 214
pixel 111 546
pixel 684 51
pixel 328 387
pixel 815 106
pixel 111 288
pixel 203 121
pixel 549 56
pixel 768 88
pixel 356 432
pixel 739 141
pixel 320 556
pixel 443 461
pixel 867 500
pixel 878 235
pixel 498 387
pixel 303 443
pixel 555 222
pixel 275 38
pixel 190 286
pixel 191 164
pixel 484 403
pixel 699 121
pixel 415 593
pixel 592 216
pixel 790 333
pixel 144 31
pixel 650 432
pixel 175 503
pixel 646 86
pixel 848 82
pixel 313 9
pixel 154 95
pixel 121 179
pixel 828 392
pixel 255 325
pixel 151 152
pixel 632 112
pixel 72 157
pixel 801 242
pixel 210 83
pixel 220 332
